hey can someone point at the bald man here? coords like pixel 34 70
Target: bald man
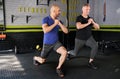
pixel 51 26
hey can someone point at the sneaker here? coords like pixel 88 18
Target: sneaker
pixel 71 52
pixel 60 73
pixel 70 55
pixel 92 65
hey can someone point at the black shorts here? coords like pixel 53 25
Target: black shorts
pixel 48 47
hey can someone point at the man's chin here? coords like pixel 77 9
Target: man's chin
pixel 58 15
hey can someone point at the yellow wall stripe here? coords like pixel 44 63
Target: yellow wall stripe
pixel 26 30
pixel 24 26
pixel 38 28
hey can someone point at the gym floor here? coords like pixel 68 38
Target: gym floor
pixel 20 66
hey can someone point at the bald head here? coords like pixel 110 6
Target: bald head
pixel 53 7
pixel 55 10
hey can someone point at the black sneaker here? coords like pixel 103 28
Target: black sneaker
pixel 92 65
pixel 60 73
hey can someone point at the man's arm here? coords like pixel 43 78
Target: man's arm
pixel 95 25
pixel 63 27
pixel 47 28
pixel 79 25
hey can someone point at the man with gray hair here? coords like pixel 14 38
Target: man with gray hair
pixel 84 24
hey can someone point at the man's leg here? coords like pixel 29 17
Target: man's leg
pixel 63 52
pixel 94 48
pixel 78 45
pixel 60 49
pixel 43 55
pixel 38 59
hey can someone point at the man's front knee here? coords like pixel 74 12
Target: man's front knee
pixel 64 53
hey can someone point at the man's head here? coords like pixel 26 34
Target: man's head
pixel 55 11
pixel 86 9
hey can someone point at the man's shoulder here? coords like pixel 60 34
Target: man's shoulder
pixel 46 17
pixel 79 16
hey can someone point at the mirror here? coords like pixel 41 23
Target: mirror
pixel 2 17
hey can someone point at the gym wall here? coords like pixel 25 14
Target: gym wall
pixel 30 13
pixel 107 14
pixel 112 11
pixel 23 21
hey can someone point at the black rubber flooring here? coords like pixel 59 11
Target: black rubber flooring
pixel 20 66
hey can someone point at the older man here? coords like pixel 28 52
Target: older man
pixel 84 24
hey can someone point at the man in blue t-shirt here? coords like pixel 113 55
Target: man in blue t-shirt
pixel 50 26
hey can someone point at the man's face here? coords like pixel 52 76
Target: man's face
pixel 57 12
pixel 86 10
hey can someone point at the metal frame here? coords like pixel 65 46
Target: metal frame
pixel 4 18
pixel 38 2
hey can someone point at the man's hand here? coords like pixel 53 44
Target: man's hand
pixel 56 21
pixel 95 25
pixel 90 21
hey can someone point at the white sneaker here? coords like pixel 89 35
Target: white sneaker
pixel 71 52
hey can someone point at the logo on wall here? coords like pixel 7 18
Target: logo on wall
pixel 43 2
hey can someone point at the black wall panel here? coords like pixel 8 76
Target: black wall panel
pixel 23 41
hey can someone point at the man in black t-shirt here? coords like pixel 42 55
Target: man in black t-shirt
pixel 84 24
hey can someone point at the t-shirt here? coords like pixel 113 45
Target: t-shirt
pixel 84 33
pixel 52 36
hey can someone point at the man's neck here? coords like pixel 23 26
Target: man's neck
pixel 52 17
pixel 85 16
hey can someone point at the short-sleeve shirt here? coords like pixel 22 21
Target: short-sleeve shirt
pixel 52 36
pixel 84 33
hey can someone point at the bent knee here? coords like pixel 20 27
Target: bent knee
pixel 64 53
pixel 95 46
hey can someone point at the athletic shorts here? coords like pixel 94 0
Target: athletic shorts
pixel 48 47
